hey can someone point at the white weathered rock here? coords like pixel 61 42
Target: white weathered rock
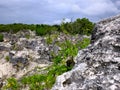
pixel 101 68
pixel 20 54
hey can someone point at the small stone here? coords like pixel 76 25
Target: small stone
pixel 113 87
pixel 116 77
pixel 111 81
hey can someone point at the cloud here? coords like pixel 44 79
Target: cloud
pixel 53 11
pixel 100 8
pixel 59 21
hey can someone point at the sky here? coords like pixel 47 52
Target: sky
pixel 54 11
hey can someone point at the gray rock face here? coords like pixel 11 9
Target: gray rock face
pixel 98 66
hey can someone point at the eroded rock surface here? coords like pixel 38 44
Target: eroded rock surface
pixel 98 66
pixel 23 53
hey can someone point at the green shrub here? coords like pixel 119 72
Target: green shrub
pixel 84 43
pixel 35 82
pixel 27 36
pixel 1 37
pixel 79 26
pixel 57 59
pixel 42 30
pixel 15 27
pixel 7 58
pixel 49 40
pixel 12 84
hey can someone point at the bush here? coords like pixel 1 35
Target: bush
pixel 35 82
pixel 12 84
pixel 1 37
pixel 7 58
pixel 42 30
pixel 80 26
pixel 15 27
pixel 84 43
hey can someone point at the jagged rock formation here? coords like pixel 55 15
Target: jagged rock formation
pixel 24 53
pixel 20 54
pixel 98 66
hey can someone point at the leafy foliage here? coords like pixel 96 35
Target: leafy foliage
pixel 35 82
pixel 46 81
pixel 84 43
pixel 41 30
pixel 7 58
pixel 13 28
pixel 1 37
pixel 12 84
pixel 79 26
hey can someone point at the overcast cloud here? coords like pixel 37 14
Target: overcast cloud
pixel 53 11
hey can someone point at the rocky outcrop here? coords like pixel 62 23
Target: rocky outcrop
pixel 98 66
pixel 24 53
pixel 19 54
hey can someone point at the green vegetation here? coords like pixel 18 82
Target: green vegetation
pixel 27 36
pixel 12 84
pixel 68 49
pixel 42 29
pixel 84 43
pixel 7 58
pixel 79 26
pixel 51 38
pixel 13 28
pixel 35 82
pixel 45 81
pixel 1 37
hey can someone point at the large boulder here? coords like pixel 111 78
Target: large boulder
pixel 98 66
